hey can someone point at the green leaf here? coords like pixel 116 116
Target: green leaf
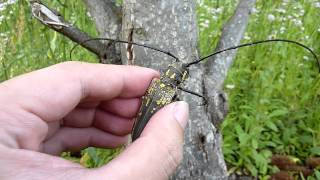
pixel 253 170
pixel 317 174
pixel 93 154
pixel 279 112
pixel 315 151
pixel 271 125
pixel 53 42
pixel 269 144
pixel 255 144
pixel 306 139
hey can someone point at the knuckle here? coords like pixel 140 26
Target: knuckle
pixel 69 64
pixel 174 156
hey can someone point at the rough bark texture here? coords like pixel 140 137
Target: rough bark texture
pixel 107 16
pixel 171 25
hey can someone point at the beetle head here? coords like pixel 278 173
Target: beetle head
pixel 175 74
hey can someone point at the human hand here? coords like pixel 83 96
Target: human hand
pixel 71 106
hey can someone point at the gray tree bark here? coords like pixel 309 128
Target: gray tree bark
pixel 171 25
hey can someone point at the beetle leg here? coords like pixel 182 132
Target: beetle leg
pixel 175 98
pixel 205 102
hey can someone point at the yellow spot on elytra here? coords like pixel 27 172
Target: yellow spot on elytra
pixel 168 72
pixel 148 101
pixel 184 76
pixel 173 76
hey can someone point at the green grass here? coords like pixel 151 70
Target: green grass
pixel 273 89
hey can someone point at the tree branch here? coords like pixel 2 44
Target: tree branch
pixel 216 67
pixel 52 19
pixel 107 16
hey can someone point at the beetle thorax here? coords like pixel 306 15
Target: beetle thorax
pixel 175 74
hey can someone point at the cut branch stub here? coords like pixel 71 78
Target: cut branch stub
pixel 52 19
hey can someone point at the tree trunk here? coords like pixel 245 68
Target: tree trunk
pixel 171 25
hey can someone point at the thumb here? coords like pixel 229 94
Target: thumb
pixel 157 153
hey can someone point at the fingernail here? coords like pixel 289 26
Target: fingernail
pixel 181 113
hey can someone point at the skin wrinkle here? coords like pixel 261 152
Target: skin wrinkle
pixel 174 154
pixel 84 92
pixel 54 127
pixel 29 134
pixel 94 116
pixel 83 114
pixel 117 107
pixel 123 85
pixel 25 124
pixel 50 166
pixel 83 117
pixel 30 108
pixel 82 140
pixel 68 67
pixel 167 165
pixel 119 128
pixel 174 157
pixel 7 141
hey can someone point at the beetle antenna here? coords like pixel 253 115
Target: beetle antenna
pixel 255 43
pixel 124 42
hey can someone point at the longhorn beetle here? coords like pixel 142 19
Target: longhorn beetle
pixel 162 91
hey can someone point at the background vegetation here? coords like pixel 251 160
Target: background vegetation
pixel 273 89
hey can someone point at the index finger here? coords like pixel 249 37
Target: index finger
pixel 54 91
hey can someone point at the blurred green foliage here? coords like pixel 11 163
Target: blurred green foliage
pixel 273 89
pixel 93 157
